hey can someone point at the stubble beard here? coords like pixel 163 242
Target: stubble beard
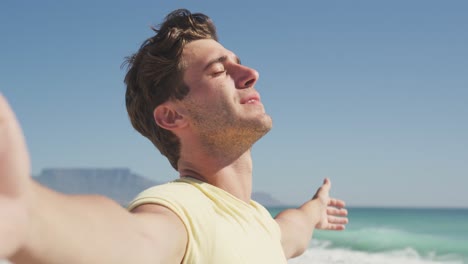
pixel 225 135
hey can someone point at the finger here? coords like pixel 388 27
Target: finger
pixel 326 184
pixel 324 190
pixel 336 203
pixel 337 211
pixel 336 227
pixel 333 220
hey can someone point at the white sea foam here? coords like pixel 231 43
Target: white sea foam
pixel 322 255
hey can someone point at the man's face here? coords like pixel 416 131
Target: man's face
pixel 222 104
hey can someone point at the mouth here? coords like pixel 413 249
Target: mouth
pixel 253 99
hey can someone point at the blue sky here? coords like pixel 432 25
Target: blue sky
pixel 373 94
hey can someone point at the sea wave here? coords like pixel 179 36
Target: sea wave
pixel 321 254
pixel 377 240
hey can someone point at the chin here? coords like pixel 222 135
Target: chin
pixel 265 126
pixel 268 121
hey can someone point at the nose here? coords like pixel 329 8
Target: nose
pixel 246 77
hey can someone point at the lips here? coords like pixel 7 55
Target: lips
pixel 251 99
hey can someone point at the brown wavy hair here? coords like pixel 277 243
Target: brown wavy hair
pixel 155 75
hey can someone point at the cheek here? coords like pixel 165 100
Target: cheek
pixel 224 92
pixel 215 94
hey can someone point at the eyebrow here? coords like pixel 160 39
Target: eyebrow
pixel 221 59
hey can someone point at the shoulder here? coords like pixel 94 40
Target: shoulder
pixel 164 231
pixel 185 203
pixel 182 198
pixel 175 194
pixel 267 218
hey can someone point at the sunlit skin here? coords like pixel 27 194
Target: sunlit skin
pixel 223 107
pixel 219 120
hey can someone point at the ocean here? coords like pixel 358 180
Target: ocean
pixel 392 235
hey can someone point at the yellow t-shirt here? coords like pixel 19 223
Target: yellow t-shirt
pixel 222 229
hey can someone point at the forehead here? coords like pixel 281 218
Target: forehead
pixel 199 52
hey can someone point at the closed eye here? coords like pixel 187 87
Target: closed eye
pixel 218 73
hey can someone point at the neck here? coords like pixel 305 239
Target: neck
pixel 232 173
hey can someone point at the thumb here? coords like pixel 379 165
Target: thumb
pixel 323 191
pixel 326 184
pixel 14 159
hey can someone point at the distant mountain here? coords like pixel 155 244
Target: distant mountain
pixel 119 184
pixel 266 199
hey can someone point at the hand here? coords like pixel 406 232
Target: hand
pixel 14 183
pixel 332 214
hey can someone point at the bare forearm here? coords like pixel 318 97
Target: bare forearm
pixel 297 227
pixel 322 212
pixel 81 229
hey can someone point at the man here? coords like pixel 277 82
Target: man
pixel 195 101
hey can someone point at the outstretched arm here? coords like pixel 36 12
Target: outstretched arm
pixel 43 226
pixel 321 212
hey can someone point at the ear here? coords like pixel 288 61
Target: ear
pixel 167 117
